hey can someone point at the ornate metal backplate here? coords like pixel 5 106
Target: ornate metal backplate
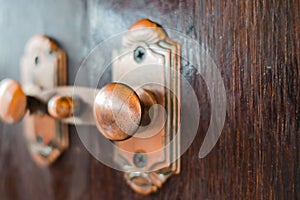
pixel 149 59
pixel 43 68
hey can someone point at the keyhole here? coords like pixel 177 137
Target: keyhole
pixel 36 60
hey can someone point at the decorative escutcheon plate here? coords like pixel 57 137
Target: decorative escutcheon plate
pixel 43 68
pixel 150 60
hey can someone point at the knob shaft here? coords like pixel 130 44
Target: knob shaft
pixel 13 101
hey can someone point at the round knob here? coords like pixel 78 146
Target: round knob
pixel 119 110
pixel 13 101
pixel 61 107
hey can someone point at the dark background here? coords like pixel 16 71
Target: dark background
pixel 256 45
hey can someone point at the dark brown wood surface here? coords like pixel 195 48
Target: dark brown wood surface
pixel 256 45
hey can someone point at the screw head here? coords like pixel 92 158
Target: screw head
pixel 39 139
pixel 61 107
pixel 139 54
pixel 140 160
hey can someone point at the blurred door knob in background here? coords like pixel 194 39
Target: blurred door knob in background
pixel 13 101
pixel 43 68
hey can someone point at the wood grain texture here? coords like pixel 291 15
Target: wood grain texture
pixel 256 47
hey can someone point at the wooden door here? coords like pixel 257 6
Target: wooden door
pixel 256 47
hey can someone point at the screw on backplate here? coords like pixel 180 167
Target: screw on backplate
pixel 139 54
pixel 140 160
pixel 39 139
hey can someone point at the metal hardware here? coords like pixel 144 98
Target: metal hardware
pixel 13 100
pixel 139 54
pixel 140 113
pixel 43 68
pixel 146 156
pixel 140 160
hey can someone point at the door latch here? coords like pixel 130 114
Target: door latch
pixel 140 114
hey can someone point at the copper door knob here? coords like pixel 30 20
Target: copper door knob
pixel 13 101
pixel 119 110
pixel 61 107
